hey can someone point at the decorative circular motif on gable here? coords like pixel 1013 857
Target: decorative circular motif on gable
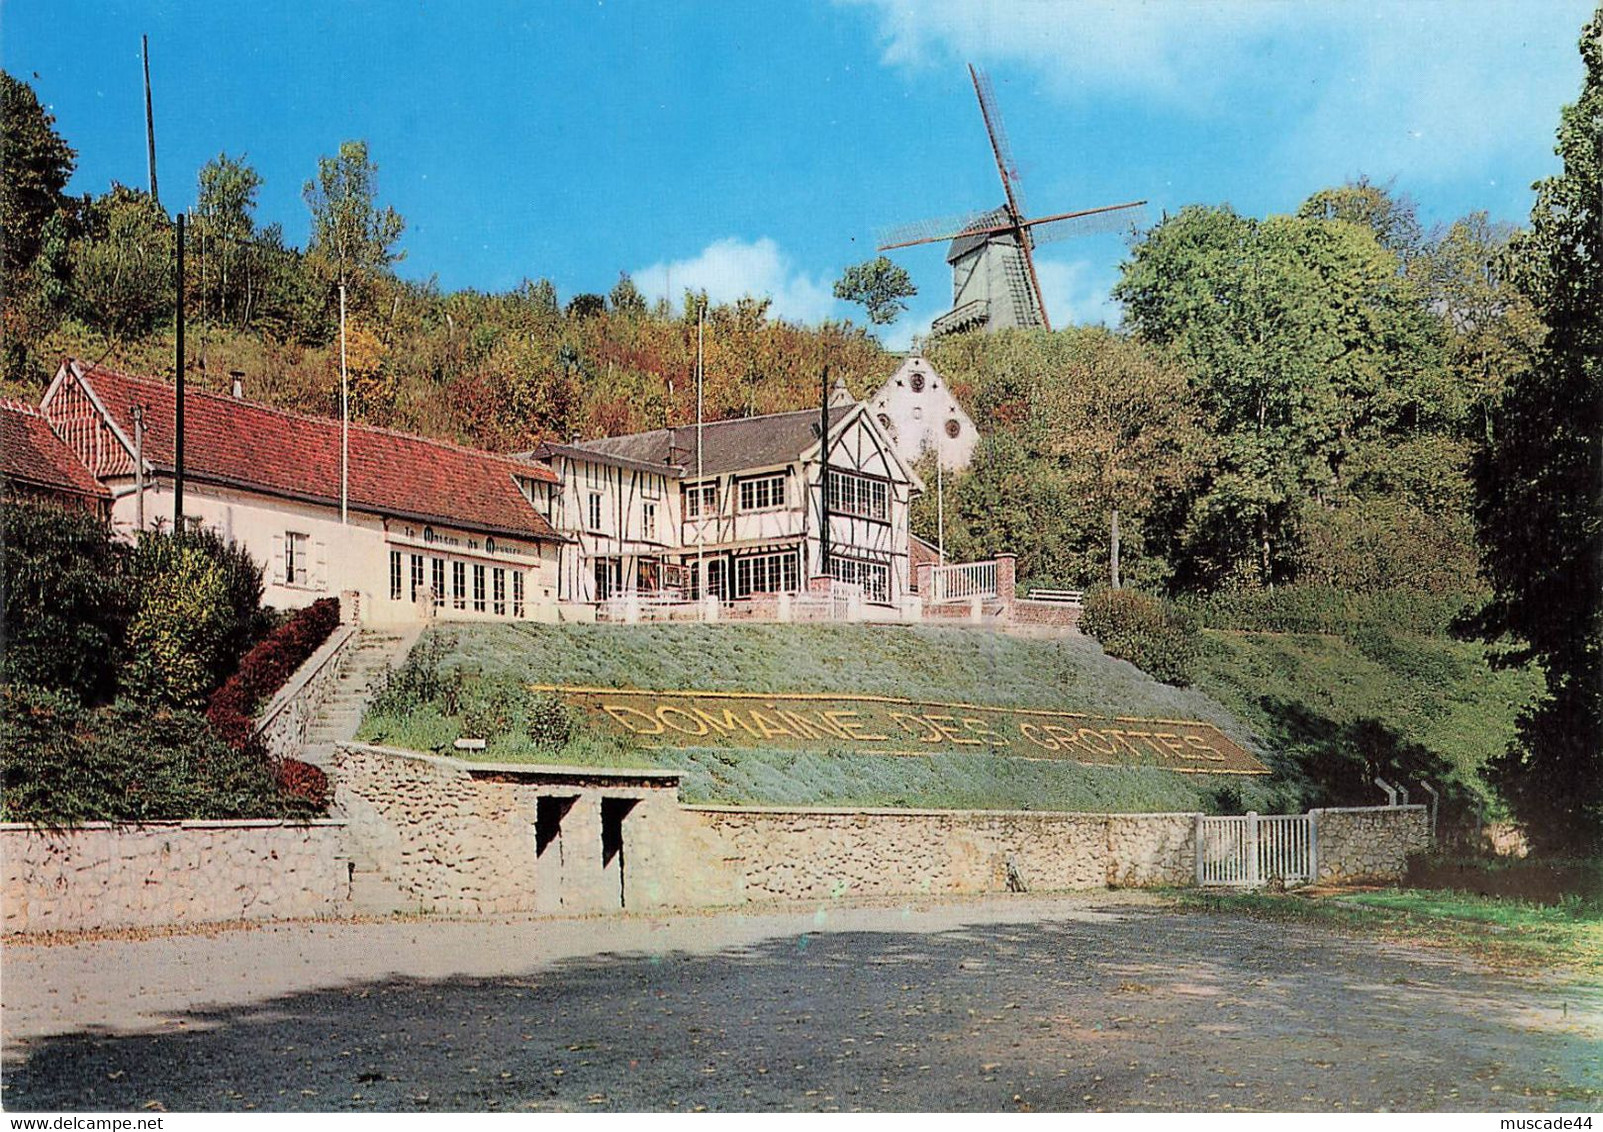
pixel 953 428
pixel 884 421
pixel 918 382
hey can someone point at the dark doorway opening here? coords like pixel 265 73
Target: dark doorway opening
pixel 613 811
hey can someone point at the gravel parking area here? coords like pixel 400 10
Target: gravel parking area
pixel 1096 1002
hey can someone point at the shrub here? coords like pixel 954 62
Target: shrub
pixel 66 601
pixel 64 764
pixel 1152 634
pixel 419 681
pixel 303 787
pixel 1328 609
pixel 199 608
pixel 550 722
pixel 268 666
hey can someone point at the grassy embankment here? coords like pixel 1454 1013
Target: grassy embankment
pixel 1305 702
pixel 917 663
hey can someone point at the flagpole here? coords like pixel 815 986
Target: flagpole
pixel 345 418
pixel 701 494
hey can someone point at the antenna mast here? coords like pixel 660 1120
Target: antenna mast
pixel 150 120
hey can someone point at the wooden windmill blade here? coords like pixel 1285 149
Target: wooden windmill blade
pixel 1008 169
pixel 935 230
pixel 1086 222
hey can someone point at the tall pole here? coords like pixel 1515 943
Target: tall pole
pixel 701 492
pixel 940 505
pixel 139 467
pixel 345 417
pixel 150 120
pixel 178 422
pixel 823 475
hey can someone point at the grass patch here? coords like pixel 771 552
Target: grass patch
pixel 1510 933
pixel 464 666
pixel 1435 701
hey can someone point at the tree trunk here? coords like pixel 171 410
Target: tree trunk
pixel 1114 543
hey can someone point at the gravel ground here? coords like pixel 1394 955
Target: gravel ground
pixel 1098 1002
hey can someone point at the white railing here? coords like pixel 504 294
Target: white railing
pixel 961 582
pixel 1252 851
pixel 1057 597
pixel 843 602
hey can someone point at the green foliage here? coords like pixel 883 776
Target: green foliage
pixel 123 264
pixel 1538 484
pixel 880 286
pixel 1341 689
pixel 35 165
pixel 353 239
pixel 198 609
pixel 549 722
pixel 66 601
pixel 1320 608
pixel 1153 634
pixel 1305 343
pixel 63 764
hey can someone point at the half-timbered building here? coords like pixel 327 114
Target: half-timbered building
pixel 736 509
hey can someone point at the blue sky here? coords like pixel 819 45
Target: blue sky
pixel 758 147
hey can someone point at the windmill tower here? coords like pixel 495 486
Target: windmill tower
pixel 994 282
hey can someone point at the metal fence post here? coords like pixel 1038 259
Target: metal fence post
pixel 1252 848
pixel 1197 844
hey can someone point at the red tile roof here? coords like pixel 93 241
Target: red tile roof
pixel 240 443
pixel 32 454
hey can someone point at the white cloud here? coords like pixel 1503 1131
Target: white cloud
pixel 1077 292
pixel 730 269
pixel 1381 87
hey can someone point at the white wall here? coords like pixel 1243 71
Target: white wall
pixel 918 418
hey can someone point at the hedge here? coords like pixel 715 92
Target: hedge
pixel 1149 632
pixel 262 672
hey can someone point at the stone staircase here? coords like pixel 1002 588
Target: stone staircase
pixel 337 719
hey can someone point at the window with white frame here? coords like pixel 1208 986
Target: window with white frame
pixel 648 521
pixel 651 487
pixel 517 593
pixel 417 576
pixel 437 577
pixel 459 585
pixel 297 558
pixel 478 588
pixel 499 577
pixel 874 577
pixel 763 493
pixel 701 499
pixel 395 575
pixel 862 496
pixel 766 574
pixel 593 512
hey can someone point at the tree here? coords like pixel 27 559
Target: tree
pixel 880 286
pixel 35 165
pixel 1305 342
pixel 353 240
pixel 225 228
pixel 122 265
pixel 66 601
pixel 1538 485
pixel 1392 217
pixel 626 298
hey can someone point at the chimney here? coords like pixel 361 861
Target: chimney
pixel 239 383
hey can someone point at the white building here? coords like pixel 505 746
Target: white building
pixel 430 529
pixel 920 414
pixel 735 509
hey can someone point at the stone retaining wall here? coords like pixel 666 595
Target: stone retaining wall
pixel 104 876
pixel 798 854
pixel 282 724
pixel 1369 843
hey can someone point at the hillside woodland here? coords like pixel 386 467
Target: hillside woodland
pixel 1335 402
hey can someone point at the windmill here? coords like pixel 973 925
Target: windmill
pixel 994 282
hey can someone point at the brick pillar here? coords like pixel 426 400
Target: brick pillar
pixel 921 579
pixel 1006 577
pixel 819 583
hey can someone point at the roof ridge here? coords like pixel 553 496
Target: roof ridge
pixel 18 405
pixel 297 414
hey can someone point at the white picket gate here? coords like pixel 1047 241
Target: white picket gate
pixel 1252 851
